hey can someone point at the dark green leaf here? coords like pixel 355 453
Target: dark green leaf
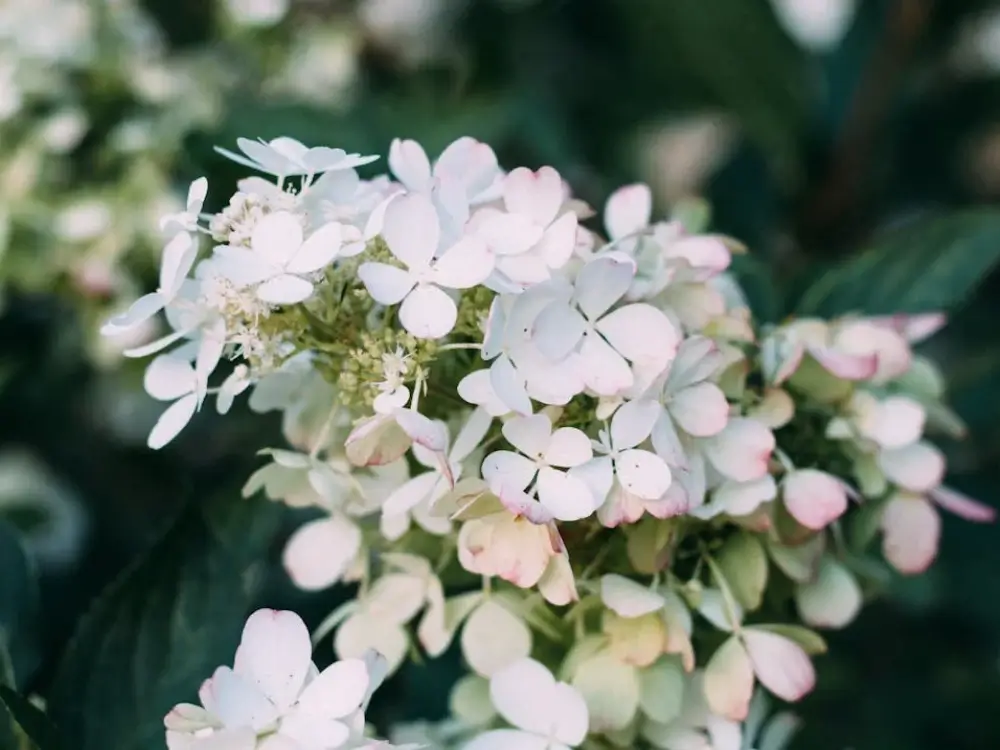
pixel 760 287
pixel 932 264
pixel 26 725
pixel 18 600
pixel 163 627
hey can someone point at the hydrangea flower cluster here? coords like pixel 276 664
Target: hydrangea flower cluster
pixel 569 450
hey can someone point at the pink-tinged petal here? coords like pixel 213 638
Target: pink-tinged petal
pixel 557 244
pixel 409 163
pixel 914 328
pixel 893 422
pixel 698 358
pixel 524 506
pixel 423 431
pixel 729 681
pixel 814 498
pixel 412 230
pixel 469 161
pixel 918 467
pixel 846 365
pixel 962 505
pixel 641 333
pixel 706 253
pixel 428 313
pixel 742 450
pixel 337 691
pixel 466 263
pixel 505 234
pixel 911 530
pixel 780 664
pixel 700 410
pixel 274 654
pixel 535 194
pixel 319 553
pixel 628 210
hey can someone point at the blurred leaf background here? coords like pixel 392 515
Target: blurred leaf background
pixel 857 155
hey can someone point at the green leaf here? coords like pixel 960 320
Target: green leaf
pixel 929 265
pixel 18 601
pixel 744 565
pixel 761 289
pixel 163 627
pixel 27 726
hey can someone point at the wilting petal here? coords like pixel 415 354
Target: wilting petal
pixel 911 529
pixel 729 681
pixel 814 498
pixel 780 664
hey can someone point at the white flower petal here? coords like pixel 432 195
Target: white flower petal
pixel 568 447
pixel 521 693
pixel 386 284
pixel 628 210
pixel 535 194
pixel 276 237
pixel 642 334
pixel 284 290
pixel 172 421
pixel 476 388
pixel 466 263
pixel 506 234
pixel 169 377
pixel 428 313
pixel 700 410
pixel 471 435
pixel 508 468
pixel 494 638
pixel 300 730
pixel 602 369
pixel 567 498
pixel 643 474
pixel 274 654
pixel 894 422
pixel 633 423
pixel 557 330
pixel 962 506
pixel 409 163
pixel 509 739
pixel 337 691
pixel 602 282
pixel 361 633
pixel 509 385
pixel 138 312
pixel 530 435
pixel 412 230
pixel 918 467
pixel 319 552
pixel 175 264
pixel 409 494
pixel 557 244
pixel 318 250
pixel 238 702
